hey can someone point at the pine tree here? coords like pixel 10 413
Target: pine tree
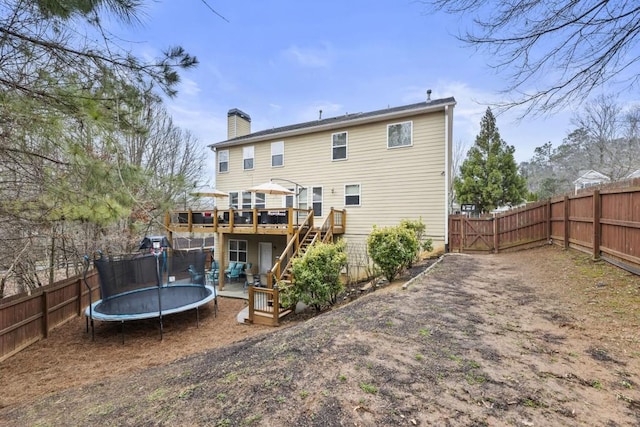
pixel 489 175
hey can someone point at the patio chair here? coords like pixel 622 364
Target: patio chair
pixel 230 267
pixel 234 273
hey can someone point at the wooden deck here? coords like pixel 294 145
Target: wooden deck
pixel 282 221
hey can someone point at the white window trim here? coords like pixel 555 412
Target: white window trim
pixel 245 151
pixel 277 144
pixel 346 146
pixel 246 242
pixel 227 161
pixel 313 201
pixel 411 135
pixel 359 194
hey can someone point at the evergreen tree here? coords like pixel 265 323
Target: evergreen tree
pixel 489 175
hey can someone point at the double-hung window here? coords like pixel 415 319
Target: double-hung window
pixel 247 157
pixel 352 195
pixel 400 135
pixel 260 201
pixel 339 146
pixel 237 250
pixel 223 161
pixel 233 200
pixel 277 154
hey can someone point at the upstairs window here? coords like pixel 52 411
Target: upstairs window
pixel 277 154
pixel 247 158
pixel 339 146
pixel 352 195
pixel 400 135
pixel 223 161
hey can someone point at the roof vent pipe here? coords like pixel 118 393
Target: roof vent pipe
pixel 428 95
pixel 319 114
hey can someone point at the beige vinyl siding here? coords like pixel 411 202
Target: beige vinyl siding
pixel 404 182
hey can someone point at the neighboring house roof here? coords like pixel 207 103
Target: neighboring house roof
pixel 591 176
pixel 635 174
pixel 339 122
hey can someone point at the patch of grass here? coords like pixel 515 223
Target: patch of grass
pixel 455 358
pixel 424 332
pixel 304 394
pixel 221 396
pixel 473 378
pixel 157 394
pixel 473 364
pixel 231 377
pixel 103 410
pixel 325 393
pixel 226 422
pixel 596 384
pixel 369 388
pixel 419 357
pixel 626 384
pixel 252 419
pixel 186 392
pixel 281 399
pixel 342 377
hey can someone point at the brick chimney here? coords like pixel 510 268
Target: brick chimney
pixel 238 123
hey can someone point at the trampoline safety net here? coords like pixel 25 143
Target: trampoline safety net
pixel 126 273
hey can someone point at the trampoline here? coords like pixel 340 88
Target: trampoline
pixel 149 285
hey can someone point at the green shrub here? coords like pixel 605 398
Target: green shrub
pixel 317 275
pixel 392 249
pixel 417 227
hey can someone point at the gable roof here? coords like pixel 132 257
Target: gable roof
pixel 338 122
pixel 591 175
pixel 634 174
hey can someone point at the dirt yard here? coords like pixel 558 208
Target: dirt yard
pixel 536 338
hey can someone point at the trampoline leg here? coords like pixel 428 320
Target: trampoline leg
pixel 87 322
pixel 93 332
pixel 122 331
pixel 161 328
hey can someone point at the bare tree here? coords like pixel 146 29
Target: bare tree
pixel 458 154
pixel 554 52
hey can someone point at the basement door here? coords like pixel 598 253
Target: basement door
pixel 265 255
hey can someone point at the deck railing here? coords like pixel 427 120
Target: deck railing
pixel 290 251
pixel 264 306
pixel 278 221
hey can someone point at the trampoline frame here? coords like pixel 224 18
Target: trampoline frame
pixel 92 311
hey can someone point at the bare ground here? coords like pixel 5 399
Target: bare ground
pixel 536 338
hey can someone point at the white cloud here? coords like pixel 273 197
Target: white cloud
pixel 188 87
pixel 310 57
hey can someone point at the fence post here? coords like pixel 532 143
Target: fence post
pixel 566 222
pixel 463 223
pixel 45 313
pixel 548 213
pixel 252 303
pixel 496 232
pixel 596 223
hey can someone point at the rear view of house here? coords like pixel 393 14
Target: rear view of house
pixel 350 173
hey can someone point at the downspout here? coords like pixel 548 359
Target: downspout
pixel 446 177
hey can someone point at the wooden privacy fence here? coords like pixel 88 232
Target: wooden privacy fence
pixel 25 319
pixel 605 224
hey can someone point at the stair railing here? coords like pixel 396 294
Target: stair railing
pixel 284 260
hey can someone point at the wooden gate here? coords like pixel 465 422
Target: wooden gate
pixel 471 234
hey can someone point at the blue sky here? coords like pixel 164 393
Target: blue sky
pixel 281 61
